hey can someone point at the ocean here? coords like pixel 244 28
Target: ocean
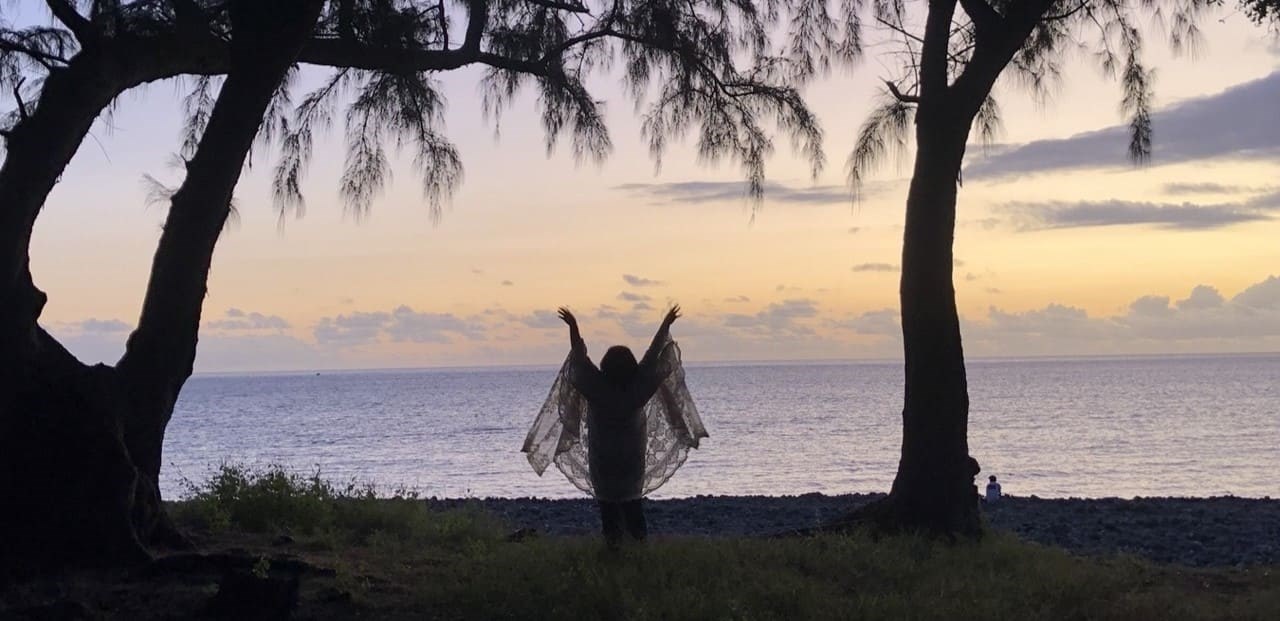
pixel 1078 427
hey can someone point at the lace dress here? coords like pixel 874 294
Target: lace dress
pixel 644 431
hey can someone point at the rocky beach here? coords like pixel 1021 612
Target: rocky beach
pixel 1200 532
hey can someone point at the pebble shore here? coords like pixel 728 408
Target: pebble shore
pixel 1198 532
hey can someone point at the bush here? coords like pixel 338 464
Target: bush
pixel 275 500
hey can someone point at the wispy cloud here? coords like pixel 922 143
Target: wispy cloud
pixel 627 296
pixel 875 267
pixel 883 322
pixel 1239 122
pixel 1030 216
pixel 778 319
pixel 403 324
pixel 637 281
pixel 699 192
pixel 1204 187
pixel 104 326
pixel 236 319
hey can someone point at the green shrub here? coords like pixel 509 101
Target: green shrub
pixel 274 500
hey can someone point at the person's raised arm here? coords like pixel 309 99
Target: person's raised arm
pixel 660 339
pixel 576 345
pixel 647 375
pixel 583 373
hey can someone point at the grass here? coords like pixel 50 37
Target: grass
pixel 275 501
pixel 394 558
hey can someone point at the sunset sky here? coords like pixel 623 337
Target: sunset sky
pixel 1063 248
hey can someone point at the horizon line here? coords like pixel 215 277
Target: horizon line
pixel 730 363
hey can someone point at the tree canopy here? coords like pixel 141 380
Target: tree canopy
pixel 713 68
pixel 1038 36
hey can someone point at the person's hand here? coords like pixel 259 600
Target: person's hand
pixel 672 315
pixel 567 317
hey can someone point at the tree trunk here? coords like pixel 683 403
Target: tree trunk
pixel 934 490
pixel 80 447
pixel 50 403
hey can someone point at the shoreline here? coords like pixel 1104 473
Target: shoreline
pixel 1219 531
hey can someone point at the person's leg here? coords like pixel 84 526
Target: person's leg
pixel 611 520
pixel 636 525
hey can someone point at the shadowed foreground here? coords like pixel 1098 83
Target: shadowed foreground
pixel 291 544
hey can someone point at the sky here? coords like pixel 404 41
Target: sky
pixel 1062 246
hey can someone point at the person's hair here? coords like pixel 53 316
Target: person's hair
pixel 618 365
pixel 992 478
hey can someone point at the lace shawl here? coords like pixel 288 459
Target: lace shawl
pixel 672 427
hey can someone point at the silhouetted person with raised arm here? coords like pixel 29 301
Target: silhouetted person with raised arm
pixel 638 419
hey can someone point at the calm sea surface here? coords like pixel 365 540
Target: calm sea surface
pixel 1052 427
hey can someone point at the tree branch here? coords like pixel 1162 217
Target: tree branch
pixel 17 97
pixel 899 95
pixel 44 58
pixel 477 21
pixel 560 6
pixel 444 24
pixel 66 13
pixel 984 17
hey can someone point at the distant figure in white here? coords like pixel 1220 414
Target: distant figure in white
pixel 620 431
pixel 993 490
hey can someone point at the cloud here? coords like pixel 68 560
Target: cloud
pixel 543 320
pixel 627 296
pixel 1264 295
pixel 853 230
pixel 353 329
pixel 508 283
pixel 778 319
pixel 236 319
pixel 408 325
pixel 1031 216
pixel 636 281
pixel 1202 297
pixel 104 326
pixel 738 299
pixel 986 224
pixel 883 322
pixel 401 325
pixel 699 192
pixel 1150 306
pixel 1239 122
pixel 1202 321
pixel 1203 187
pixel 875 267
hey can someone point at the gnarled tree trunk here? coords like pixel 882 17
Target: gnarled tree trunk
pixel 80 447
